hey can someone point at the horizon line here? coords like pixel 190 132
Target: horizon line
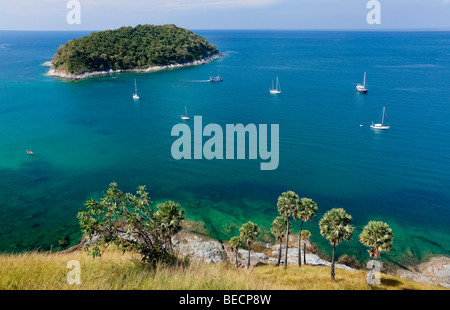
pixel 261 29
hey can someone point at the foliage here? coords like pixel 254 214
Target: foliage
pixel 378 236
pixel 335 226
pixel 235 242
pixel 129 222
pixel 131 48
pixel 305 210
pixel 278 228
pixel 248 233
pixel 287 203
pixel 306 234
pixel 167 220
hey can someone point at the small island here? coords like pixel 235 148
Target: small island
pixel 143 48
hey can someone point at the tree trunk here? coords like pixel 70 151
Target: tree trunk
pixel 300 245
pixel 279 252
pixel 236 256
pixel 248 265
pixel 332 262
pixel 304 253
pixel 287 244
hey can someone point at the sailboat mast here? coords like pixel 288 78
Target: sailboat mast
pixel 382 118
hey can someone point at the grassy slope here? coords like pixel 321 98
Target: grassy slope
pixel 115 270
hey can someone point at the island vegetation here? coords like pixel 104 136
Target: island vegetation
pixel 128 48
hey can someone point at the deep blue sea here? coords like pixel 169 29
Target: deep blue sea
pixel 86 134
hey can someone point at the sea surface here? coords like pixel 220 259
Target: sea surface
pixel 86 134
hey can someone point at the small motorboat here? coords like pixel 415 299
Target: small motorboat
pixel 216 79
pixel 29 152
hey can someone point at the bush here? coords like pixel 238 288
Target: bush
pixel 129 222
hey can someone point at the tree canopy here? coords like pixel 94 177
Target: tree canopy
pixel 378 236
pixel 129 221
pixel 137 47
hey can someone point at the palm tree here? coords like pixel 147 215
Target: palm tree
pixel 305 211
pixel 168 217
pixel 235 242
pixel 286 203
pixel 249 232
pixel 378 236
pixel 305 235
pixel 335 226
pixel 278 229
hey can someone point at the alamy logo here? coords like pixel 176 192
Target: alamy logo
pixel 374 15
pixel 74 275
pixel 74 15
pixel 213 148
pixel 373 276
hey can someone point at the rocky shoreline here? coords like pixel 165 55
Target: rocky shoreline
pixel 203 249
pixel 65 75
pixel 199 247
pixel 435 271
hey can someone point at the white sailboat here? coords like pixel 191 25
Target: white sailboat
pixel 185 116
pixel 362 88
pixel 277 89
pixel 135 94
pixel 381 125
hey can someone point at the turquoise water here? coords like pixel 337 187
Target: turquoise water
pixel 88 133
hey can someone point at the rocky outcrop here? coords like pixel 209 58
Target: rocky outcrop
pixel 311 259
pixel 202 249
pixel 435 271
pixel 66 75
pixel 199 248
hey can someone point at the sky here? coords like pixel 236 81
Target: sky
pixel 225 14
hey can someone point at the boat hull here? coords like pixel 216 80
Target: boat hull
pixel 380 127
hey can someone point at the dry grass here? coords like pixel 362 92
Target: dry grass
pixel 117 271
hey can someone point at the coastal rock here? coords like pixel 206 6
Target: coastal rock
pixel 349 261
pixel 311 259
pixel 436 271
pixel 65 75
pixel 198 248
